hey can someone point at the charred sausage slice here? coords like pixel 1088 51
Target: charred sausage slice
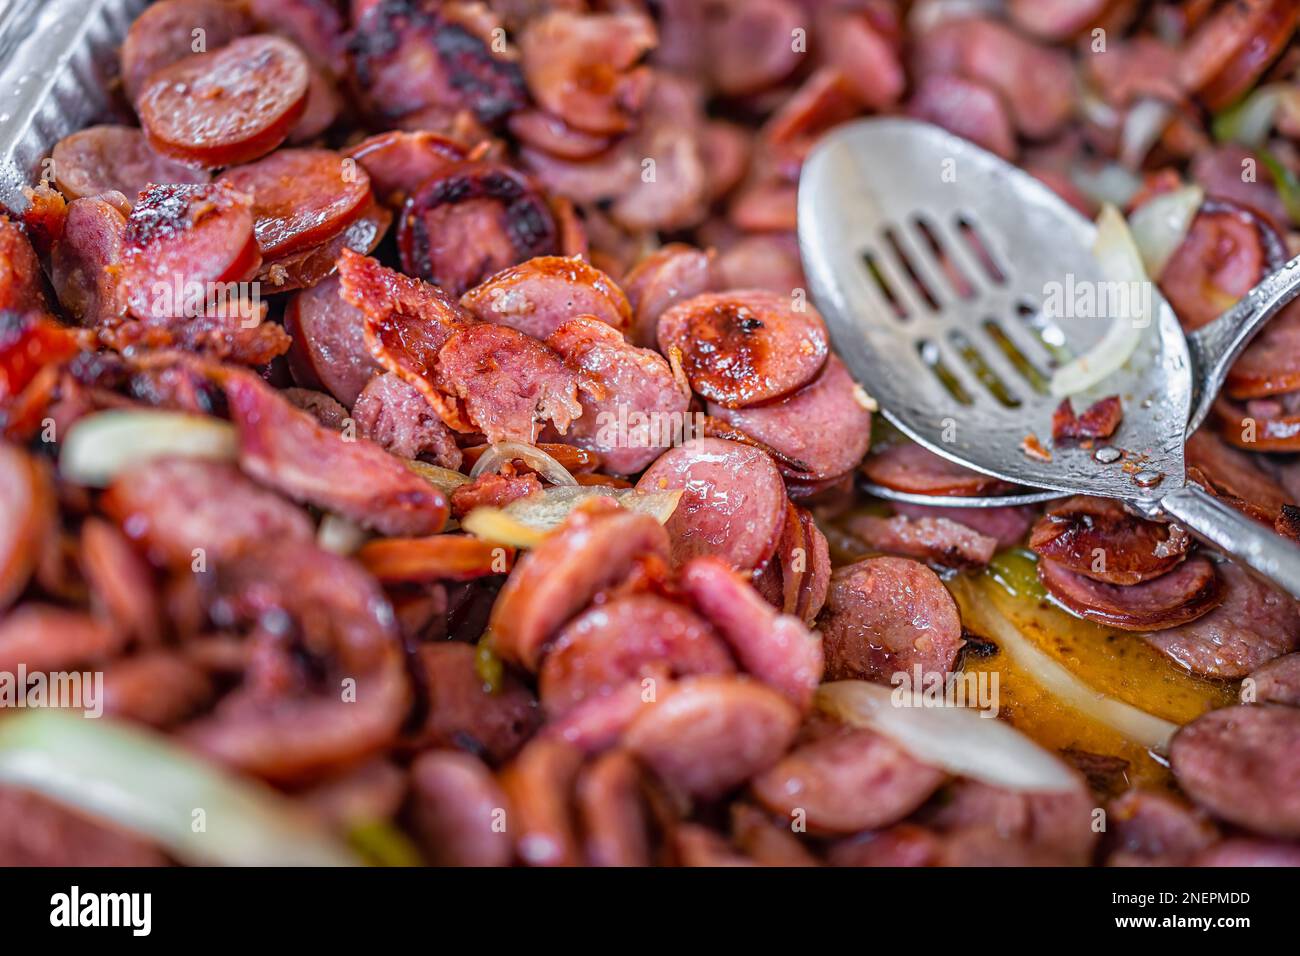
pixel 1191 590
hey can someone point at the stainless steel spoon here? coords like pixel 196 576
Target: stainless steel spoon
pixel 931 260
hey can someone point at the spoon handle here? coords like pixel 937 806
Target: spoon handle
pixel 1260 550
pixel 1214 347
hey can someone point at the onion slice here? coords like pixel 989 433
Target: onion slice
pixel 536 459
pixel 337 535
pixel 526 521
pixel 101 446
pixel 1120 262
pixel 444 479
pixel 1160 225
pixel 1146 120
pixel 1250 121
pixel 142 781
pixel 956 739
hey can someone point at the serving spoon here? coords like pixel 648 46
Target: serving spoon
pixel 931 259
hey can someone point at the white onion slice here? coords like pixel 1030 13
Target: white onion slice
pixel 145 783
pixel 101 446
pixel 524 522
pixel 542 463
pixel 1160 225
pixel 956 739
pixel 338 535
pixel 1107 183
pixel 444 479
pixel 1146 730
pixel 1143 124
pixel 1250 121
pixel 1120 261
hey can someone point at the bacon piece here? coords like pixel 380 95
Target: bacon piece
pixel 1099 420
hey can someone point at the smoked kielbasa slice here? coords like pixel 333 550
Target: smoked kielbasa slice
pixel 744 347
pixel 186 236
pixel 825 427
pixel 26 517
pixel 101 159
pixel 668 275
pixel 1243 765
pixel 612 810
pixel 933 540
pixel 1149 828
pixel 165 32
pixel 301 197
pixel 471 222
pixel 539 785
pixel 20 287
pixel 551 583
pixel 1189 591
pixel 399 162
pixel 458 811
pixel 229 106
pixel 1006 525
pixel 626 639
pixel 1232 49
pixel 86 259
pixel 393 413
pixel 733 501
pixel 304 269
pixel 848 779
pixel 329 341
pixel 157 688
pixel 633 407
pixel 887 615
pixel 1098 538
pixel 710 734
pixel 1254 624
pixel 1277 682
pixel 539 295
pixel 775 648
pixel 905 466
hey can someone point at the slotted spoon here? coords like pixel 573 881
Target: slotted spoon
pixel 931 259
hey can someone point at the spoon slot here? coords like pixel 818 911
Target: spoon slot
pixel 882 284
pixel 930 355
pixel 1045 332
pixel 980 248
pixel 947 265
pixel 982 370
pixel 1019 361
pixel 909 264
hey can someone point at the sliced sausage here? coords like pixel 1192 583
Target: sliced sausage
pixel 749 44
pixel 201 233
pixel 464 713
pixel 1007 525
pixel 539 295
pixel 668 275
pixel 933 540
pixel 1233 47
pixel 776 648
pixel 766 841
pixel 472 222
pixel 120 582
pixel 229 106
pixel 627 639
pixel 1270 365
pixel 1098 538
pixel 797 578
pixel 288 450
pixel 745 347
pixel 458 811
pixel 304 269
pixel 101 159
pixel 493 491
pixel 1191 590
pixel 539 785
pixel 633 406
pixel 612 810
pixel 1277 682
pixel 558 578
pixel 391 412
pixel 967 109
pixel 399 162
pixel 1149 828
pixel 42 637
pixel 1254 624
pixel 165 32
pixel 1243 765
pixel 732 504
pixel 439 557
pixel 905 466
pixel 329 341
pixel 182 510
pixel 301 197
pixel 85 260
pixel 823 430
pixel 1057 20
pixel 27 512
pixel 1241 851
pixel 157 688
pixel 20 288
pixel 710 734
pixel 847 780
pixel 549 133
pixel 888 615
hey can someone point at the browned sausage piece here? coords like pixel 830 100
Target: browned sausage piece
pixel 748 44
pixel 158 688
pixel 37 831
pixel 668 275
pixel 120 582
pixel 1191 590
pixel 1097 538
pixel 288 450
pixel 1148 828
pixel 540 130
pixel 20 289
pixel 538 295
pixel 458 811
pixel 966 108
pixel 1057 20
pixel 905 466
pixel 633 406
pixel 933 540
pixel 1007 526
pixel 1254 624
pixel 26 518
pixel 393 413
pixel 304 269
pixel 539 785
pixel 597 724
pixel 886 615
pixel 626 639
pixel 823 429
pixel 42 637
pixel 85 260
pixel 229 106
pixel 765 841
pixel 1240 851
pixel 399 162
pixel 558 578
pixel 612 811
pixel 438 557
pixel 848 780
pixel 1277 682
pixel 165 32
pixel 301 197
pixel 471 222
pixel 182 510
pixel 1229 51
pixel 733 501
pixel 902 845
pixel 329 341
pixel 191 237
pixel 775 648
pixel 710 734
pixel 744 347
pixel 1243 765
pixel 464 713
pixel 99 159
